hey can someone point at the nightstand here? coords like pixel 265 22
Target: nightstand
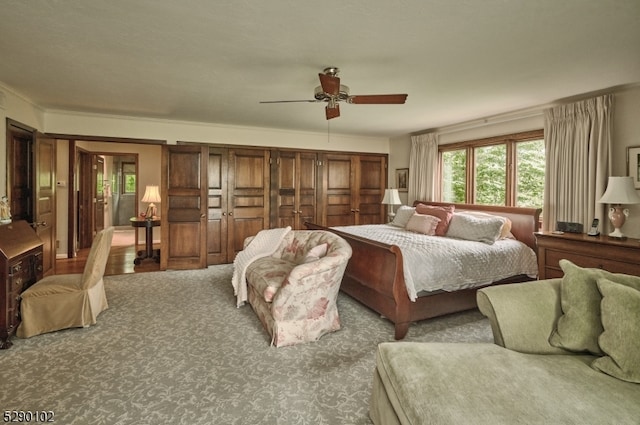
pixel 603 252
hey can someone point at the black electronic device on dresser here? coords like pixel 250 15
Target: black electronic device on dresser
pixel 20 267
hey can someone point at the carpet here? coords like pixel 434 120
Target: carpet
pixel 174 349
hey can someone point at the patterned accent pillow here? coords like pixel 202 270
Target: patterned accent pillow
pixel 620 308
pixel 423 223
pixel 473 228
pixel 316 253
pixel 403 215
pixel 443 213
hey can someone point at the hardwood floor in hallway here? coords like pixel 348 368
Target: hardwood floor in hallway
pixel 120 262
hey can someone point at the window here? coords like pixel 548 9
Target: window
pixel 506 170
pixel 128 177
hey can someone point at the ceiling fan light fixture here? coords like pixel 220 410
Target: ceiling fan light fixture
pixel 319 94
pixel 331 91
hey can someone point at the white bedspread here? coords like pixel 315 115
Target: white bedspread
pixel 434 263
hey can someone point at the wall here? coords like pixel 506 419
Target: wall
pixel 174 131
pixel 626 133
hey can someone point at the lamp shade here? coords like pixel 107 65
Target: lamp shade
pixel 391 197
pixel 620 190
pixel 151 194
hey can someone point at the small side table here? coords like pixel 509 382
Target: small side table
pixel 148 224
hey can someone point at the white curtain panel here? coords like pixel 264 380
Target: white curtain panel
pixel 423 165
pixel 578 150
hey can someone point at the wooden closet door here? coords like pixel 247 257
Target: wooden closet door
pixel 184 207
pixel 339 196
pixel 371 182
pixel 217 203
pixel 295 186
pixel 248 186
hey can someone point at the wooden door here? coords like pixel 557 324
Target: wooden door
pixel 184 207
pixel 294 186
pixel 98 190
pixel 371 179
pixel 217 206
pixel 338 190
pixel 85 194
pixel 20 172
pixel 248 186
pixel 45 199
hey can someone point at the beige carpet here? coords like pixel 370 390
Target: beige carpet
pixel 173 349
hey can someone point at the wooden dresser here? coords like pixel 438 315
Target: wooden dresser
pixel 20 267
pixel 614 255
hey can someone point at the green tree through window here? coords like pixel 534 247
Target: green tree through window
pixel 506 170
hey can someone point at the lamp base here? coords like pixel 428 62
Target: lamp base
pixel 617 234
pixel 618 215
pixel 152 211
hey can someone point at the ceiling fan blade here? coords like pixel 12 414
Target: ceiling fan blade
pixel 373 99
pixel 332 112
pixel 330 84
pixel 289 101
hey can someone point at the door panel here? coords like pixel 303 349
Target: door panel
pixel 372 172
pixel 248 196
pixel 98 188
pixel 307 188
pixel 184 212
pixel 86 217
pixel 20 174
pixel 338 183
pixel 217 206
pixel 45 197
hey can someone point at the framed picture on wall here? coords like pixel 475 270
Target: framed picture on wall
pixel 402 179
pixel 633 164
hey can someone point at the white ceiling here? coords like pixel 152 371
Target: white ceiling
pixel 213 61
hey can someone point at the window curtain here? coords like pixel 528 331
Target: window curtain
pixel 423 164
pixel 578 151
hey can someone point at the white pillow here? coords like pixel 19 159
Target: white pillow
pixel 505 232
pixel 403 215
pixel 423 223
pixel 473 228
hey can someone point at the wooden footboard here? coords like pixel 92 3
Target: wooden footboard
pixel 375 275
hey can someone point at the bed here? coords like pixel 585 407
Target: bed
pixel 375 274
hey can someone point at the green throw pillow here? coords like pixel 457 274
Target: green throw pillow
pixel 621 337
pixel 580 326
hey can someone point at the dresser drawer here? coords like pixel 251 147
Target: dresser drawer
pixel 553 258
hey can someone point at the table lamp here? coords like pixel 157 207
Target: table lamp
pixel 151 195
pixel 619 191
pixel 391 198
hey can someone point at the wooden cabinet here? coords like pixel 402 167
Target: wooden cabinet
pixel 215 196
pixel 294 184
pixel 614 255
pixel 21 266
pixel 238 202
pixel 352 189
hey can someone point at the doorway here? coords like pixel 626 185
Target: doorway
pixel 107 194
pixel 31 185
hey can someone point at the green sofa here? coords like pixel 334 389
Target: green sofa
pixel 522 378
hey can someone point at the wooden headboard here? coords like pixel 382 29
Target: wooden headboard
pixel 524 221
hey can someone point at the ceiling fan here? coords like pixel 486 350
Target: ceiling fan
pixel 331 91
